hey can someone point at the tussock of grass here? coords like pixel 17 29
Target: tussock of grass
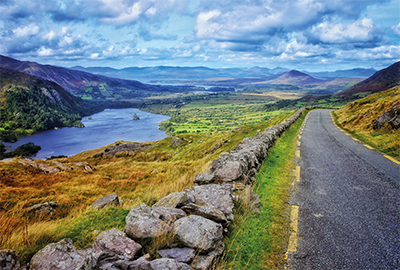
pixel 357 118
pixel 258 241
pixel 143 177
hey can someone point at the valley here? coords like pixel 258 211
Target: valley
pixel 201 127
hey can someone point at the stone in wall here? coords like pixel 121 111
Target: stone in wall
pixel 214 196
pixel 199 233
pixel 141 222
pixel 176 199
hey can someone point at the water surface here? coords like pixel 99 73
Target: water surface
pixel 100 129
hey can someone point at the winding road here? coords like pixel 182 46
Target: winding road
pixel 348 201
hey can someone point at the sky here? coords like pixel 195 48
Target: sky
pixel 313 35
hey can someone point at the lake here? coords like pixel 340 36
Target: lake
pixel 100 129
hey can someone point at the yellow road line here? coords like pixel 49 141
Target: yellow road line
pixel 298 143
pixel 298 173
pixel 298 153
pixel 392 159
pixel 366 145
pixel 294 216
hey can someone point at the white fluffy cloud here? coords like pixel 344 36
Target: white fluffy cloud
pixel 361 31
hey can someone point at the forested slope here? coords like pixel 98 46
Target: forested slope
pixel 29 104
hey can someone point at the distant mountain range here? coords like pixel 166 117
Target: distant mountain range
pixel 159 73
pixel 355 73
pixel 87 85
pixel 382 80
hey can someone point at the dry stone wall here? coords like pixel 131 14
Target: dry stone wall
pixel 196 219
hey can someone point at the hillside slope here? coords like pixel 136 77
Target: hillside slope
pixel 375 120
pixel 29 104
pixel 381 80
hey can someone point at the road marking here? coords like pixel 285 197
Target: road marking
pixel 366 145
pixel 300 136
pixel 294 216
pixel 298 143
pixel 392 159
pixel 298 153
pixel 298 173
pixel 355 139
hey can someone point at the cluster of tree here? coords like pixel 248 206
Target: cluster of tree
pixel 25 150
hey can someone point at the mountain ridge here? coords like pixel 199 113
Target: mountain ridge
pixel 381 80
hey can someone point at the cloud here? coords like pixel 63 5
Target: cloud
pixel 28 30
pixel 396 29
pixel 209 32
pixel 361 33
pixel 247 21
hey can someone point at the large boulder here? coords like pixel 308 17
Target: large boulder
pixel 175 199
pixel 199 233
pixel 111 199
pixel 64 256
pixel 141 222
pixel 214 196
pixel 9 260
pixel 114 243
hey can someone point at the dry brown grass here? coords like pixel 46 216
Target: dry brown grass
pixel 136 178
pixel 357 118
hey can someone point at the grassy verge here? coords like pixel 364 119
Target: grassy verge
pixel 258 241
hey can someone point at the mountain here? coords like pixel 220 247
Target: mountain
pixel 29 104
pixel 158 73
pixel 354 73
pixel 380 81
pixel 294 77
pixel 87 85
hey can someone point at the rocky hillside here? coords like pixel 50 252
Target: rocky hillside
pixel 380 81
pixel 375 119
pixel 29 104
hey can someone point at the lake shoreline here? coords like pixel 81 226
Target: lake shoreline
pixel 102 128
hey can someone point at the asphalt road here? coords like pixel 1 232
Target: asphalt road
pixel 349 202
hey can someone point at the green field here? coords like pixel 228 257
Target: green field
pixel 224 112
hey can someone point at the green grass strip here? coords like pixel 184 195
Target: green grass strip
pixel 259 241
